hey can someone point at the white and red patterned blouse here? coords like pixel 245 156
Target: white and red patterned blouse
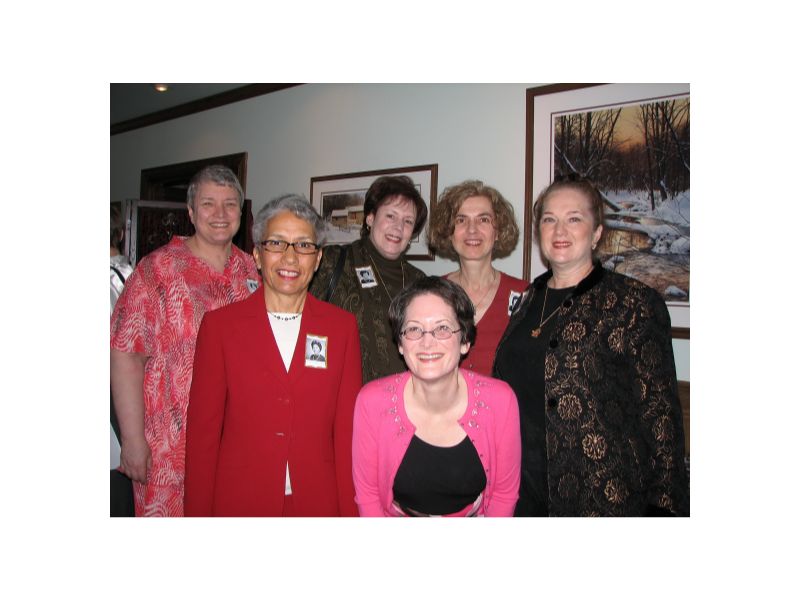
pixel 158 315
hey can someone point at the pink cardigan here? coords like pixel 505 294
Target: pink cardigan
pixel 382 433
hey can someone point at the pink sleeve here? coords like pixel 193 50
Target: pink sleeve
pixel 365 458
pixel 509 456
pixel 135 317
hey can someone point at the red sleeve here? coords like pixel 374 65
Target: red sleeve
pixel 204 421
pixel 343 426
pixel 508 446
pixel 136 319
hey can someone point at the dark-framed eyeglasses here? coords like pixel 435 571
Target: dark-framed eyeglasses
pixel 281 246
pixel 442 332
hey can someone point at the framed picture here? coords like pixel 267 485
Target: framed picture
pixel 339 199
pixel 632 141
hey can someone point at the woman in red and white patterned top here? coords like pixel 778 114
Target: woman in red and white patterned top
pixel 153 331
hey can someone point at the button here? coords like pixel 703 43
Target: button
pixel 553 343
pixel 551 402
pixel 567 303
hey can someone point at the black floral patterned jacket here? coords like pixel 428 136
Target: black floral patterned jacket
pixel 613 419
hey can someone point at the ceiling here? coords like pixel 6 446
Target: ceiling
pixel 131 100
pixel 135 105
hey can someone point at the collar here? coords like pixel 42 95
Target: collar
pixel 383 263
pixel 594 277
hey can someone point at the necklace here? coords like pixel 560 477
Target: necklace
pixel 283 317
pixel 486 293
pixel 402 271
pixel 538 331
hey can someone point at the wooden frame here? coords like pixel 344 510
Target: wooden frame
pixel 337 199
pixel 543 104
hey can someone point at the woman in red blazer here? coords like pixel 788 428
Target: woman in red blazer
pixel 270 415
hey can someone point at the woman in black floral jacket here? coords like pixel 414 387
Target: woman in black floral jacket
pixel 589 356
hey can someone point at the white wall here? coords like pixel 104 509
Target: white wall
pixel 469 130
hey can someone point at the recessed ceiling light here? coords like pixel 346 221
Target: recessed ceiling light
pixel 161 87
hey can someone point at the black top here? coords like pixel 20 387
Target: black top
pixel 528 385
pixel 438 481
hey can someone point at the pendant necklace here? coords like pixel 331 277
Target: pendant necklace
pixel 489 289
pixel 542 321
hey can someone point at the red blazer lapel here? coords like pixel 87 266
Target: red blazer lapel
pixel 258 332
pixel 308 324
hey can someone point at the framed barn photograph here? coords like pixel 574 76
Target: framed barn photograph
pixel 339 199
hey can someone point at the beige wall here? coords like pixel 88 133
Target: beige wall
pixel 469 130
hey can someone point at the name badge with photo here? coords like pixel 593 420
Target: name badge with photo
pixel 316 351
pixel 252 285
pixel 514 300
pixel 366 277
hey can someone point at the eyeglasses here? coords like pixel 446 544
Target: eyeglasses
pixel 283 245
pixel 442 332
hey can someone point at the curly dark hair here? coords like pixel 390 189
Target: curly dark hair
pixel 440 231
pixel 453 295
pixel 579 184
pixel 388 187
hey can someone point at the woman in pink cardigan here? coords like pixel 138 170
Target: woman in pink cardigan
pixel 435 440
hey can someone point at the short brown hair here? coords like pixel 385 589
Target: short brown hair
pixel 452 294
pixel 444 214
pixel 571 182
pixel 388 187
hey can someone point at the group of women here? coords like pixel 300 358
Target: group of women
pixel 482 394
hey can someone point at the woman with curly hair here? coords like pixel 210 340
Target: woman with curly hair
pixel 473 224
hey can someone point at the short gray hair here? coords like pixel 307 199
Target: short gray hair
pixel 219 174
pixel 295 204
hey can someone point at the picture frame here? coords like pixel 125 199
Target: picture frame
pixel 545 104
pixel 337 198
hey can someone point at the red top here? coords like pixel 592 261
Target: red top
pixel 158 314
pixel 249 417
pixel 493 323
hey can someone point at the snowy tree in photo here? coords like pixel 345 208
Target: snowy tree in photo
pixel 638 156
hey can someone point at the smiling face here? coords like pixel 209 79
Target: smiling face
pixel 391 226
pixel 286 274
pixel 427 358
pixel 474 232
pixel 215 214
pixel 567 231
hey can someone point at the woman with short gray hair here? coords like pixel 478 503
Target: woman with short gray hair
pixel 270 420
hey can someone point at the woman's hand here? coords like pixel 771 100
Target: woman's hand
pixel 135 459
pixel 127 391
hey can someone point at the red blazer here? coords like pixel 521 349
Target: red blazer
pixel 247 417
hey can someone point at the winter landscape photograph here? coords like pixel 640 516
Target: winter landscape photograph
pixel 638 155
